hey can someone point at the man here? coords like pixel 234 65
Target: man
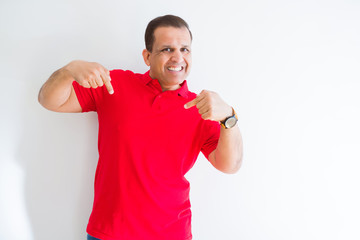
pixel 151 130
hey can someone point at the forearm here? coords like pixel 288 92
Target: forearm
pixel 227 156
pixel 56 90
pixel 229 151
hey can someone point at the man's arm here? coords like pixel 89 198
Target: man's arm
pixel 227 157
pixel 57 94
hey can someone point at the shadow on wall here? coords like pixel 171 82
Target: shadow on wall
pixel 58 153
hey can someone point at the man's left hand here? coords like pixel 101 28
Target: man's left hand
pixel 210 106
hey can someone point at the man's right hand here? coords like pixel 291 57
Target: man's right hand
pixel 90 74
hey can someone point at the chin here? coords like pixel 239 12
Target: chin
pixel 176 81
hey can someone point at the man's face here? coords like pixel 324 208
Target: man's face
pixel 170 59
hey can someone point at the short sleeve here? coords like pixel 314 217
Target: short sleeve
pixel 211 137
pixel 95 99
pixel 85 97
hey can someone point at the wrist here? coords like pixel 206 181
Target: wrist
pixel 65 75
pixel 68 70
pixel 230 121
pixel 69 67
pixel 229 113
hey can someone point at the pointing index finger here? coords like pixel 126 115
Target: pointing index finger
pixel 192 102
pixel 107 81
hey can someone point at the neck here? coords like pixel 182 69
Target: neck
pixel 166 87
pixel 169 88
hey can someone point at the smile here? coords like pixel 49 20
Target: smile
pixel 175 69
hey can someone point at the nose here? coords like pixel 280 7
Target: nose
pixel 177 56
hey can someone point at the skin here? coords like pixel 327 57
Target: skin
pixel 227 157
pixel 58 95
pixel 171 50
pixel 170 63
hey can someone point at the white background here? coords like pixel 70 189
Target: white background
pixel 290 69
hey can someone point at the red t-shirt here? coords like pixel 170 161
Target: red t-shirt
pixel 148 141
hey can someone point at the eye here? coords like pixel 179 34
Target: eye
pixel 185 50
pixel 166 50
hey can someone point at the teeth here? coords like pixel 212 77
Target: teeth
pixel 175 68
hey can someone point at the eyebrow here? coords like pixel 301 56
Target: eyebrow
pixel 169 46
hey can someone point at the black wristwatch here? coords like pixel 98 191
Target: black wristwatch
pixel 230 122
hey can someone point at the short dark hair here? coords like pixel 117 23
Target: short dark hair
pixel 162 21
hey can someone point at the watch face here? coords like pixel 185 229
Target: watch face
pixel 230 122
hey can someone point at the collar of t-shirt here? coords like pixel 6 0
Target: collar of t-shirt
pixel 154 83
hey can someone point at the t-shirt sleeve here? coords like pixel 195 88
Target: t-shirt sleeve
pixel 211 137
pixel 97 99
pixel 85 97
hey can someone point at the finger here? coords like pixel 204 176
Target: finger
pixel 85 84
pixel 203 110
pixel 107 80
pixel 107 83
pixel 201 103
pixel 99 81
pixel 105 75
pixel 191 103
pixel 195 101
pixel 206 115
pixel 92 83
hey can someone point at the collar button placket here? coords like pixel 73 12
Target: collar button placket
pixel 157 102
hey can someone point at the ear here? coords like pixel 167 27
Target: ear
pixel 146 56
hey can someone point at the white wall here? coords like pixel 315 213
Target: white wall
pixel 290 68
